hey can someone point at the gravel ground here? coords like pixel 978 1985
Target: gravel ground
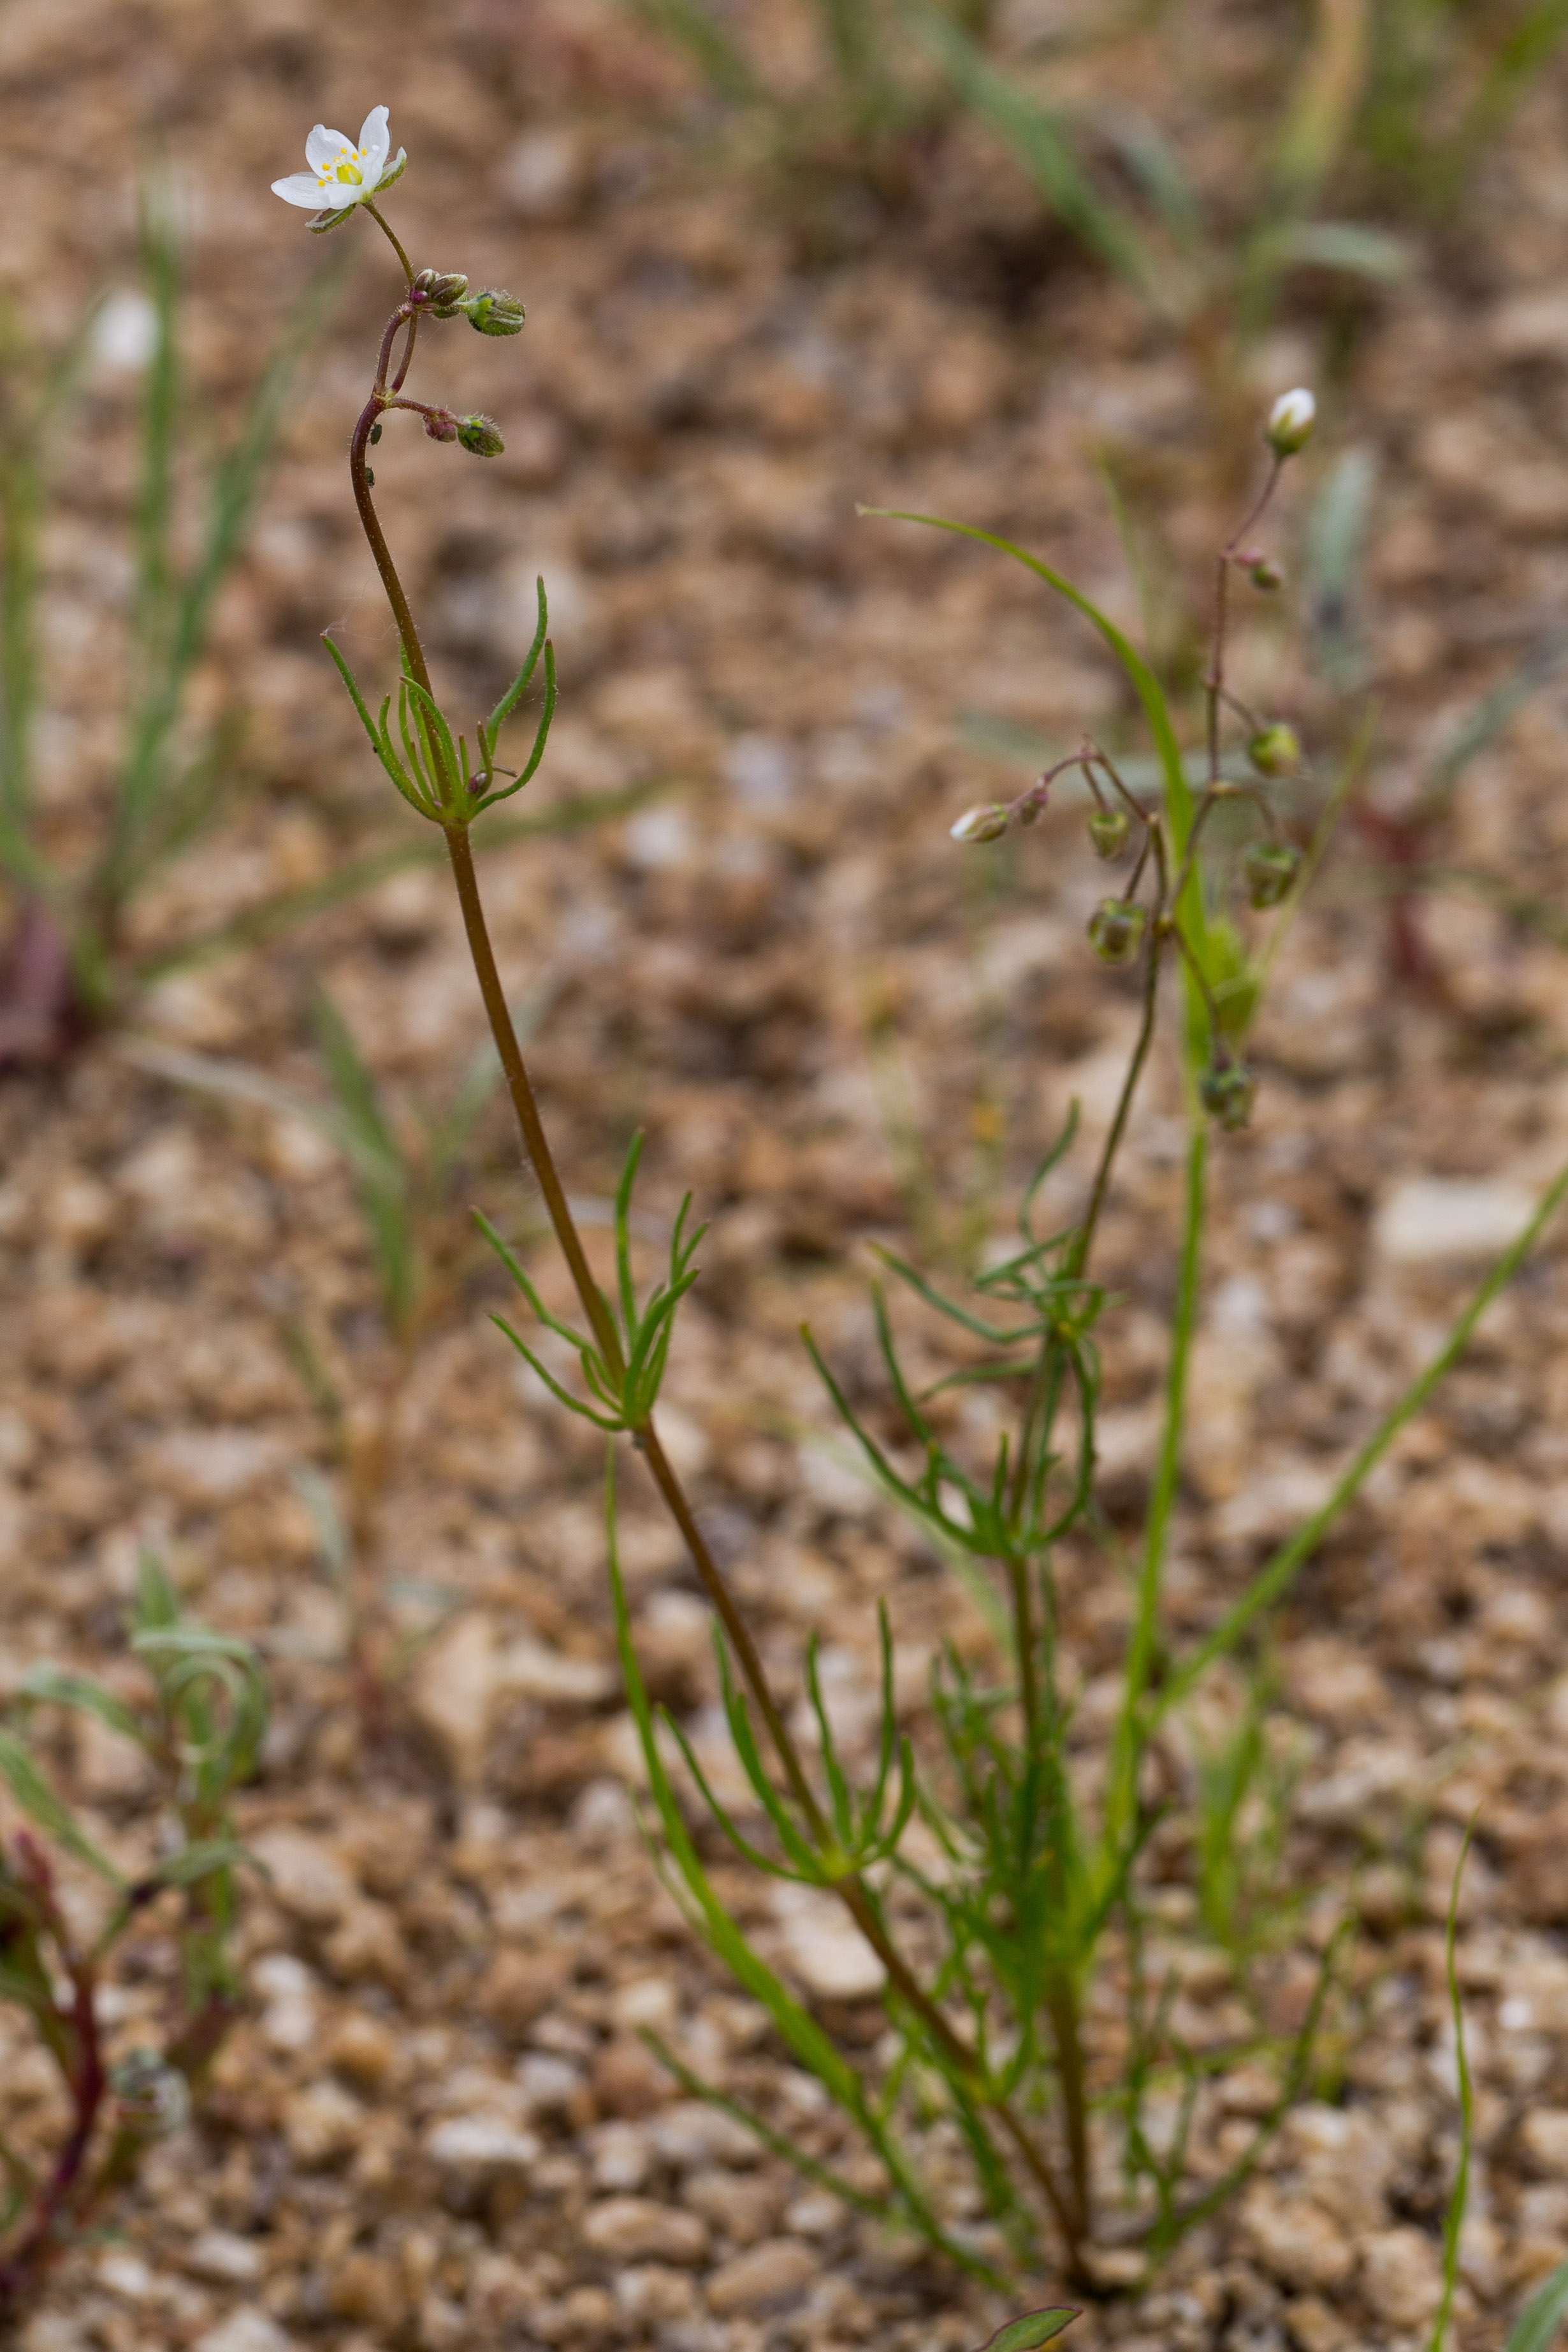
pixel 438 2125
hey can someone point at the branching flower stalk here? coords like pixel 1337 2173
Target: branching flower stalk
pixel 1030 1883
pixel 434 777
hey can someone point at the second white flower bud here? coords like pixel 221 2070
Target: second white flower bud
pixel 1291 422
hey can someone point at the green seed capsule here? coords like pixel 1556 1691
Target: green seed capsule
pixel 1276 750
pixel 1115 930
pixel 1228 1091
pixel 1270 868
pixel 1107 830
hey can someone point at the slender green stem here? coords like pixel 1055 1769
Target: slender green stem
pixel 852 1889
pixel 1128 1745
pixel 1067 2032
pixel 383 224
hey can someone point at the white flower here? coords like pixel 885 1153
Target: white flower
pixel 342 173
pixel 1291 422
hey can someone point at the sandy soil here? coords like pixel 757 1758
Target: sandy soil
pixel 439 2127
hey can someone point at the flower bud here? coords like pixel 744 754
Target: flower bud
pixel 1276 750
pixel 986 823
pixel 441 425
pixel 1291 422
pixel 1107 830
pixel 1265 574
pixel 1228 1091
pixel 1115 928
pixel 153 2097
pixel 493 312
pixel 480 435
pixel 442 290
pixel 1270 868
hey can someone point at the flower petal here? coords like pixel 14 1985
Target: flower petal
pixel 324 147
pixel 338 194
pixel 374 138
pixel 299 188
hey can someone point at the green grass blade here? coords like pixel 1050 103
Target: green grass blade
pixel 276 915
pixel 799 2030
pixel 60 1689
pixel 1491 715
pixel 1454 2219
pixel 1272 1581
pixel 694 29
pixel 231 497
pixel 1127 1746
pixel 1042 144
pixel 809 2165
pixel 1151 694
pixel 1522 57
pixel 1027 2334
pixel 1539 2325
pixel 40 1802
pixel 152 612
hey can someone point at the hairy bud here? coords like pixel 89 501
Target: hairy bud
pixel 441 425
pixel 986 823
pixel 1291 422
pixel 1276 750
pixel 480 435
pixel 153 2097
pixel 1107 830
pixel 1115 930
pixel 492 311
pixel 442 290
pixel 1270 868
pixel 1228 1091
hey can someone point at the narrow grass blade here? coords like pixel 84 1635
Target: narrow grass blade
pixel 38 1801
pixel 1539 2325
pixel 1273 1579
pixel 1127 1746
pixel 1041 142
pixel 1454 2219
pixel 810 2166
pixel 1179 800
pixel 800 2031
pixel 261 923
pixel 1035 2328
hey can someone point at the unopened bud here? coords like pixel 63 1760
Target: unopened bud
pixel 153 2097
pixel 1265 574
pixel 1115 930
pixel 1291 422
pixel 1107 830
pixel 442 290
pixel 986 823
pixel 480 435
pixel 1270 868
pixel 1276 750
pixel 1034 803
pixel 493 312
pixel 1228 1091
pixel 441 425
